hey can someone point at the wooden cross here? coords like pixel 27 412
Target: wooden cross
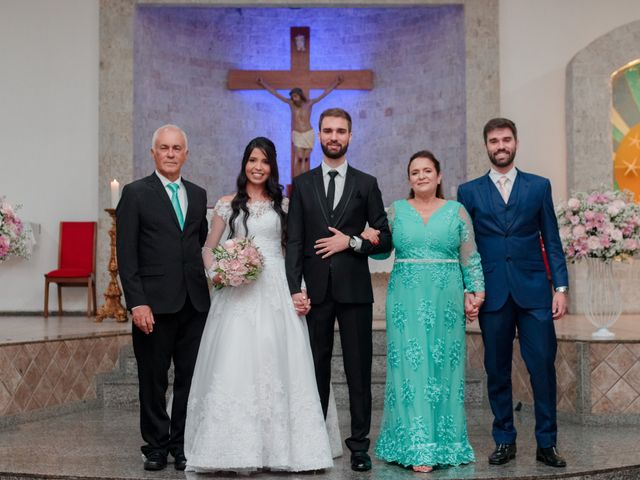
pixel 299 75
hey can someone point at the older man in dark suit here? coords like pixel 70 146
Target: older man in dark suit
pixel 330 206
pixel 161 227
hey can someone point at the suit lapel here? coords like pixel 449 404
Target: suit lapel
pixel 487 193
pixel 156 185
pixel 347 193
pixel 518 197
pixel 188 188
pixel 321 195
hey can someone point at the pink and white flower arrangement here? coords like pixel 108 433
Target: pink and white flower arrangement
pixel 604 225
pixel 13 239
pixel 237 261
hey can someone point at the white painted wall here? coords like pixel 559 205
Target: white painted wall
pixel 48 132
pixel 49 110
pixel 538 38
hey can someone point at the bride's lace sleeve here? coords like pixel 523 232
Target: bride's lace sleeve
pixel 221 214
pixel 469 256
pixel 222 208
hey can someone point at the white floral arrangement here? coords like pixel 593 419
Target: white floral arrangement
pixel 603 225
pixel 13 238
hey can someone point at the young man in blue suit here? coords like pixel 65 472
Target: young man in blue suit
pixel 511 211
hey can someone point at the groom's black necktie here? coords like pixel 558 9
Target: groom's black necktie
pixel 331 190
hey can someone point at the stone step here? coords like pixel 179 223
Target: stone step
pixel 474 393
pixel 124 393
pixel 341 393
pixel 121 392
pixel 120 388
pixel 379 339
pixel 378 369
pixel 129 368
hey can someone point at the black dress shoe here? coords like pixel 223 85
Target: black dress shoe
pixel 180 461
pixel 155 461
pixel 550 456
pixel 503 453
pixel 360 461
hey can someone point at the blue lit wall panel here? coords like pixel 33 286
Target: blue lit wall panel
pixel 182 56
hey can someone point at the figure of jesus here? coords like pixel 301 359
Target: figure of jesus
pixel 302 135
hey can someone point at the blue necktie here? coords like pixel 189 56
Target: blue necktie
pixel 174 187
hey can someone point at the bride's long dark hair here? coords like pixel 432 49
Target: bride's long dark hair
pixel 272 188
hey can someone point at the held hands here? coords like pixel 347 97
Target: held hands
pixel 371 234
pixel 301 302
pixel 559 305
pixel 330 245
pixel 472 303
pixel 143 318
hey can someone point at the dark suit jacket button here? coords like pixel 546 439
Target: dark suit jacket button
pixel 508 259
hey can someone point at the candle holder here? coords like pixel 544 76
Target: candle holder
pixel 112 307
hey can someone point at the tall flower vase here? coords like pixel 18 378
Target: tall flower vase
pixel 604 302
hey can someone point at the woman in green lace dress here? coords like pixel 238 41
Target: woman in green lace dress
pixel 436 259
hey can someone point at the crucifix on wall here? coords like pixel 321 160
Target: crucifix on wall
pixel 300 79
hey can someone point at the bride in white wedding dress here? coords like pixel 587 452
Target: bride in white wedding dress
pixel 254 403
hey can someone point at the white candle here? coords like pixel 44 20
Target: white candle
pixel 115 193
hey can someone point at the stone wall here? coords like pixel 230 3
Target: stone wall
pixel 468 110
pixel 182 57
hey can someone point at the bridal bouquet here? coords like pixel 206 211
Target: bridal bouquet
pixel 237 262
pixel 604 225
pixel 13 238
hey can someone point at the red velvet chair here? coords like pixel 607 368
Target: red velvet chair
pixel 76 263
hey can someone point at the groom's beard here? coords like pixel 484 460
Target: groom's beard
pixel 504 162
pixel 334 154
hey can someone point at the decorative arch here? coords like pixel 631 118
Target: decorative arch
pixel 590 140
pixel 588 105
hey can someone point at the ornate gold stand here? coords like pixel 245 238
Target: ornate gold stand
pixel 113 306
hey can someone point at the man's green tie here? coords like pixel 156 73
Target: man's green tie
pixel 174 187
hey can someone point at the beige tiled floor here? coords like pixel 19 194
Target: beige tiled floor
pixel 104 444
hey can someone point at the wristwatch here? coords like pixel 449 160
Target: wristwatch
pixel 353 243
pixel 562 289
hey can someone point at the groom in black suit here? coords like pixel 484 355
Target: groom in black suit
pixel 161 227
pixel 330 205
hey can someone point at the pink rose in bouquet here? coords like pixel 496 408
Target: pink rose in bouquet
pixel 13 238
pixel 237 261
pixel 600 225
